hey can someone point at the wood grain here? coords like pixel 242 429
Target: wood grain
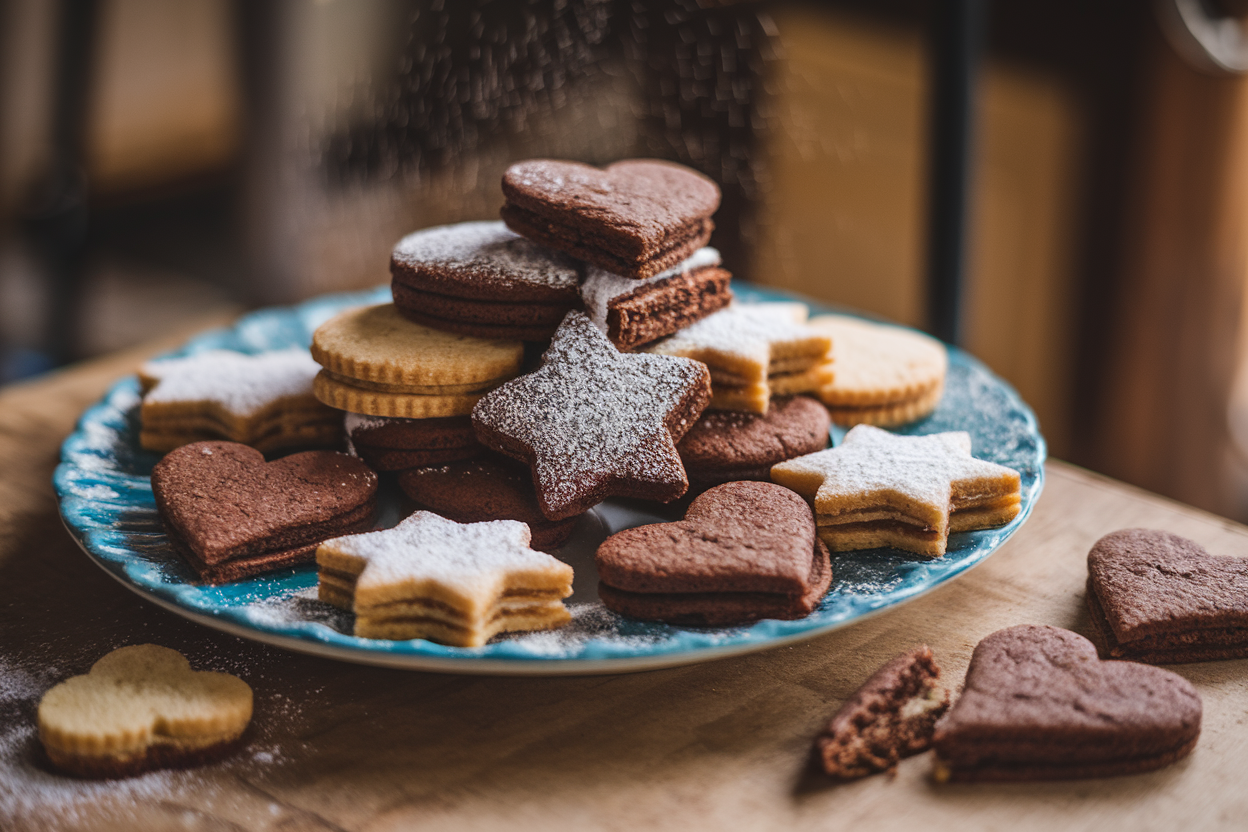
pixel 723 745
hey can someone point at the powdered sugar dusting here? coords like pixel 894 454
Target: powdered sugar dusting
pixel 243 384
pixel 745 331
pixel 601 286
pixel 592 414
pixel 358 421
pixel 490 251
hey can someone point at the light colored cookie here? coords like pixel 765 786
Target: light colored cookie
pixel 400 405
pixel 265 401
pixel 880 489
pixel 889 415
pixel 803 381
pixel 138 708
pixel 746 338
pixel 456 583
pixel 751 398
pixel 376 344
pixel 877 364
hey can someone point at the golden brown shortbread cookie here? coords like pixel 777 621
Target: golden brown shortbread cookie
pixel 880 489
pixel 141 707
pixel 889 415
pixel 455 583
pixel 400 405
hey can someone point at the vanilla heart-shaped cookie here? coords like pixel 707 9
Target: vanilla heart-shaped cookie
pixel 1039 705
pixel 141 707
pixel 634 218
pixel 231 514
pixel 1160 598
pixel 745 550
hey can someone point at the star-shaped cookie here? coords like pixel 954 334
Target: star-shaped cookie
pixel 593 422
pixel 264 400
pixel 455 583
pixel 880 489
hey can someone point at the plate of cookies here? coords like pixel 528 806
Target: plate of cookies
pixel 561 443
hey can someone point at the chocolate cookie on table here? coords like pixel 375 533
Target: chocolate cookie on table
pixel 1038 704
pixel 490 487
pixel 728 445
pixel 231 515
pixel 1160 598
pixel 478 278
pixel 745 551
pixel 636 312
pixel 390 444
pixel 634 218
pixel 592 422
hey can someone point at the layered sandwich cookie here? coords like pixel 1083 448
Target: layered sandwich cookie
pixel 390 444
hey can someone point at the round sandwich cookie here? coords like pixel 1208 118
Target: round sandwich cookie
pixel 377 363
pixel 490 487
pixel 745 551
pixel 387 444
pixel 479 278
pixel 727 445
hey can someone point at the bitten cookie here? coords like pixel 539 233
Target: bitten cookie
pixel 754 350
pixel 882 375
pixel 745 551
pixel 378 363
pixel 142 707
pixel 1038 705
pixel 636 312
pixel 264 400
pixel 491 487
pixel 232 515
pixel 1159 598
pixel 634 218
pixel 880 489
pixel 891 717
pixel 726 445
pixel 454 583
pixel 478 278
pixel 593 422
pixel 388 444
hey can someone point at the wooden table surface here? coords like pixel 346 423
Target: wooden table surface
pixel 721 745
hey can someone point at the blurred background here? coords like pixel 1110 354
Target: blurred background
pixel 163 163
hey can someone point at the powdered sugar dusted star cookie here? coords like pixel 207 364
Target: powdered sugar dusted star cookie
pixel 593 422
pixel 264 400
pixel 454 583
pixel 880 489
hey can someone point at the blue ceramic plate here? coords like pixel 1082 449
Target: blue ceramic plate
pixel 106 502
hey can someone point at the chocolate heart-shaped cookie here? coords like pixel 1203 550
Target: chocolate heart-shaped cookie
pixel 1039 705
pixel 141 707
pixel 634 218
pixel 231 514
pixel 745 550
pixel 1160 598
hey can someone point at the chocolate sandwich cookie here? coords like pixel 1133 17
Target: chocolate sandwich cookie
pixel 490 487
pixel 634 218
pixel 1039 705
pixel 388 444
pixel 478 278
pixel 891 717
pixel 592 422
pixel 232 515
pixel 636 312
pixel 1159 598
pixel 745 551
pixel 725 445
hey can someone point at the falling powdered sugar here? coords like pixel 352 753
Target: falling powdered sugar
pixel 601 286
pixel 489 251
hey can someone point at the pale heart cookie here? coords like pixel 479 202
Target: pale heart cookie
pixel 378 363
pixel 883 375
pixel 454 583
pixel 593 422
pixel 265 401
pixel 880 489
pixel 746 344
pixel 142 707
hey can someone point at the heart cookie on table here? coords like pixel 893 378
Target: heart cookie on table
pixel 634 218
pixel 1039 705
pixel 745 551
pixel 232 515
pixel 142 707
pixel 1160 598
